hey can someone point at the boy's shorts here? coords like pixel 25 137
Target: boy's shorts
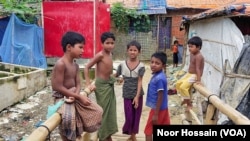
pixel 184 85
pixel 163 119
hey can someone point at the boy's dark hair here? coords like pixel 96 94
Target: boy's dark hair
pixel 176 41
pixel 71 38
pixel 196 40
pixel 134 43
pixel 107 35
pixel 160 55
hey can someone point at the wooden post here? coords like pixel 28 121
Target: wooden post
pixel 232 114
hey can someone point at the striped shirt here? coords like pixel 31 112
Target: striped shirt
pixel 130 78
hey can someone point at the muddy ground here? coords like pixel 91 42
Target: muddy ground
pixel 20 120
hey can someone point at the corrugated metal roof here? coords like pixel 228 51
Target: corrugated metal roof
pixel 152 6
pixel 179 4
pixel 153 11
pixel 144 6
pixel 199 4
pixel 238 8
pixel 127 3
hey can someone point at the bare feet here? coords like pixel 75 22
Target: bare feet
pixel 129 139
pixel 132 138
pixel 109 138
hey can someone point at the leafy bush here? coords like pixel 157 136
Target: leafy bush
pixel 26 10
pixel 125 19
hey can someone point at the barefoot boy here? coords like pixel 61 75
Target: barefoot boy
pixel 104 83
pixel 194 73
pixel 65 80
pixel 157 96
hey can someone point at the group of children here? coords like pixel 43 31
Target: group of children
pixel 66 83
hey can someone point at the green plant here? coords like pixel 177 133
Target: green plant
pixel 140 22
pixel 125 18
pixel 26 10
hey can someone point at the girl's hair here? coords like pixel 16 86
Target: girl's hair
pixel 196 40
pixel 71 38
pixel 134 43
pixel 160 55
pixel 107 35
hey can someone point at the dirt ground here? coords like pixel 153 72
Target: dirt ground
pixel 20 120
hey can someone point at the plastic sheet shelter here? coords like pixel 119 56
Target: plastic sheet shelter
pixel 3 24
pixel 236 89
pixel 226 37
pixel 89 18
pixel 22 44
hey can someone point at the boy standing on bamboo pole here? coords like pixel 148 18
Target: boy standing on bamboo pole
pixel 194 73
pixel 104 82
pixel 66 85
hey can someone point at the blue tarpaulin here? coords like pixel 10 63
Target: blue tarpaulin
pixel 152 6
pixel 22 44
pixel 3 24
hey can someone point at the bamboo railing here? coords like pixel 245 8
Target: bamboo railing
pixel 43 131
pixel 217 103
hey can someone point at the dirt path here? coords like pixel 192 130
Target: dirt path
pixel 175 111
pixel 18 121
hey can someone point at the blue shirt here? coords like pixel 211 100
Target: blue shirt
pixel 157 83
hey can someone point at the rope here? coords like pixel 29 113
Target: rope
pixel 214 114
pixel 48 137
pixel 209 98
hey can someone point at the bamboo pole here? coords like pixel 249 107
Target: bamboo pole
pixel 184 120
pixel 219 42
pixel 41 133
pixel 199 108
pixel 237 75
pixel 232 114
pixel 210 119
pixel 215 67
pixel 195 117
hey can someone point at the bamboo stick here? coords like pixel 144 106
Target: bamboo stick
pixel 215 67
pixel 210 119
pixel 41 133
pixel 199 108
pixel 194 116
pixel 184 120
pixel 219 42
pixel 233 114
pixel 237 75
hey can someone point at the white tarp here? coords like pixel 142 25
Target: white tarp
pixel 222 40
